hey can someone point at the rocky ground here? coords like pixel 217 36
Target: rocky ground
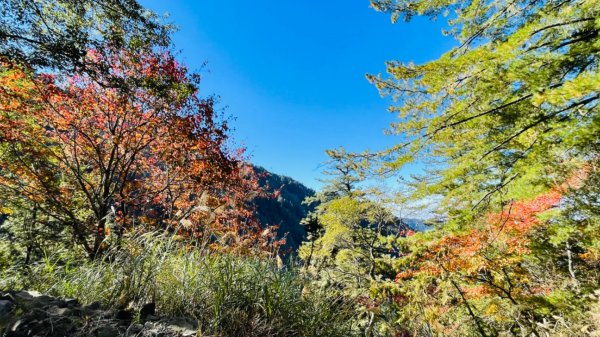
pixel 29 313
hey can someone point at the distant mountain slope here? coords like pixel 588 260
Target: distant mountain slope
pixel 286 210
pixel 417 225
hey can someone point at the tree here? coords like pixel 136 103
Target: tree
pixel 483 274
pixel 350 232
pixel 509 121
pixel 49 34
pixel 515 104
pixel 92 158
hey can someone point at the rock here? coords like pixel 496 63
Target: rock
pixel 135 328
pixel 68 303
pixel 29 294
pixel 189 333
pixel 63 328
pixel 37 314
pixel 90 309
pixel 6 308
pixel 7 297
pixel 32 295
pixel 152 318
pixel 92 306
pixel 31 314
pixel 71 302
pixel 182 322
pixel 156 333
pixel 182 326
pixel 107 331
pixel 76 311
pixel 106 314
pixel 32 299
pixel 147 309
pixel 124 314
pixel 59 311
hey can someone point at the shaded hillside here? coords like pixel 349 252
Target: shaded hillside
pixel 286 208
pixel 418 225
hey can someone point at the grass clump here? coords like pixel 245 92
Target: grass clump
pixel 228 295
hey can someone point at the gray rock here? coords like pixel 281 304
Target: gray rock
pixel 107 331
pixel 182 322
pixel 92 306
pixel 152 318
pixel 6 308
pixel 31 295
pixel 156 333
pixel 63 328
pixel 33 314
pixel 40 315
pixel 135 328
pixel 27 294
pixel 71 302
pixel 108 314
pixel 76 311
pixel 189 333
pixel 182 326
pixel 59 311
pixel 32 299
pixel 7 297
pixel 91 309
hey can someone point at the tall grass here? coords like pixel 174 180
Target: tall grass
pixel 228 295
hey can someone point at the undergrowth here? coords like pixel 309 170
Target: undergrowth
pixel 228 295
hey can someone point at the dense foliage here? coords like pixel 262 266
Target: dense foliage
pixel 508 125
pixel 51 34
pixel 515 104
pixel 84 156
pixel 114 137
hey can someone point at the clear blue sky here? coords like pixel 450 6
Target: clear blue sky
pixel 292 73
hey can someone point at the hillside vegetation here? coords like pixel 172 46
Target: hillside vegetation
pixel 283 206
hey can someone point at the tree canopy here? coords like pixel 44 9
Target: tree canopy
pixel 507 123
pixel 58 34
pixel 103 131
pixel 515 104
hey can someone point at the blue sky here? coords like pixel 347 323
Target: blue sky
pixel 292 73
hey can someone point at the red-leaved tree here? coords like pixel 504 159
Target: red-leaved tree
pixel 93 155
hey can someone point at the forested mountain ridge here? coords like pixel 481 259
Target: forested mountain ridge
pixel 284 206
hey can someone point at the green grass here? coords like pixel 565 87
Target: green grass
pixel 228 295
